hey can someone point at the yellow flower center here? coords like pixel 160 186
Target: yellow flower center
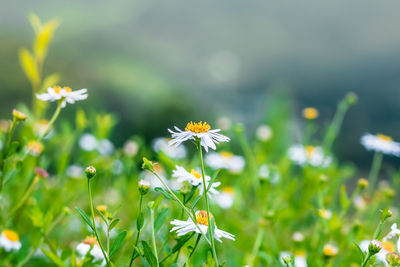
pixel 323 213
pixel 11 235
pixel 90 240
pixel 228 189
pixel 195 174
pixel 57 89
pixel 388 246
pixel 35 147
pixel 310 113
pixel 301 253
pixel 384 137
pixel 330 250
pixel 201 217
pixel 200 127
pixel 226 154
pixel 101 208
pixel 309 150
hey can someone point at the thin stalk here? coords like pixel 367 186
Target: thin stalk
pixel 195 245
pixel 366 259
pixel 52 120
pixel 190 214
pixel 94 225
pixel 257 244
pixel 172 252
pixel 207 204
pixel 373 174
pixel 138 234
pixel 5 151
pixel 153 236
pixel 27 193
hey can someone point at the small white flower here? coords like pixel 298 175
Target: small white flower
pixel 303 155
pixel 184 227
pixel 394 232
pixel 266 174
pixel 264 133
pixel 96 252
pixel 154 181
pixel 387 247
pixel 88 142
pixel 298 237
pixel 226 197
pixel 360 203
pixel 299 260
pixel 75 171
pixel 381 143
pixel 9 240
pixel 195 178
pixel 175 152
pixel 131 148
pixel 105 147
pixel 64 94
pixel 193 131
pixel 225 160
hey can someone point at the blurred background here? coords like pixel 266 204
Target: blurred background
pixel 160 63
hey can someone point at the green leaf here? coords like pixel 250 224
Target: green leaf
pixel 140 221
pixel 43 38
pixel 101 215
pixel 52 257
pixel 116 245
pixel 29 66
pixel 158 200
pixel 148 254
pixel 181 242
pixel 165 193
pixel 85 217
pixel 343 197
pixel 360 252
pixel 113 224
pixel 159 221
pixel 194 203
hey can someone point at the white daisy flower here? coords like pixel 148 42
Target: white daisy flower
pixel 175 152
pixel 155 182
pixel 184 227
pixel 131 148
pixel 64 94
pixel 195 178
pixel 91 242
pixel 264 133
pixel 381 143
pixel 387 247
pixel 394 232
pixel 9 240
pixel 75 171
pixel 225 160
pixel 88 142
pixel 193 131
pixel 312 155
pixel 298 237
pixel 226 197
pixel 299 258
pixel 106 147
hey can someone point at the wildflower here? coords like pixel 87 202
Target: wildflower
pixel 393 258
pixel 374 247
pixel 264 133
pixel 143 187
pixel 298 237
pixel 63 94
pixel 90 244
pixel 75 171
pixel 330 250
pixel 101 208
pixel 175 152
pixel 105 147
pixel 385 248
pixel 154 181
pixel 40 128
pixel 299 258
pixel 184 227
pixel 198 131
pixel 310 113
pixel 90 172
pixel 18 115
pixel 9 240
pixel 362 183
pixel 195 178
pixel 131 148
pixel 394 232
pixel 41 173
pixel 88 142
pixel 381 143
pixel 313 155
pixel 225 160
pixel 35 148
pixel 226 197
pixel 266 174
pixel 360 203
pixel 325 214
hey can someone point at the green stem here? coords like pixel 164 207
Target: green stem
pixel 52 120
pixel 5 152
pixel 153 236
pixel 138 234
pixel 94 225
pixel 190 214
pixel 366 259
pixel 195 246
pixel 210 230
pixel 27 193
pixel 373 174
pixel 257 244
pixel 336 124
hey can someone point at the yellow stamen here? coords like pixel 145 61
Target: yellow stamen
pixel 309 150
pixel 57 89
pixel 201 217
pixel 90 240
pixel 384 137
pixel 226 154
pixel 11 235
pixel 101 208
pixel 330 250
pixel 195 174
pixel 200 127
pixel 310 113
pixel 388 246
pixel 228 189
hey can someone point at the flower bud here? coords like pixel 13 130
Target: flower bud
pixel 41 173
pixel 393 259
pixel 186 188
pixel 351 98
pixel 143 187
pixel 374 247
pixel 147 165
pixel 362 183
pixel 310 113
pixel 330 250
pixel 90 172
pixel 386 213
pixel 18 115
